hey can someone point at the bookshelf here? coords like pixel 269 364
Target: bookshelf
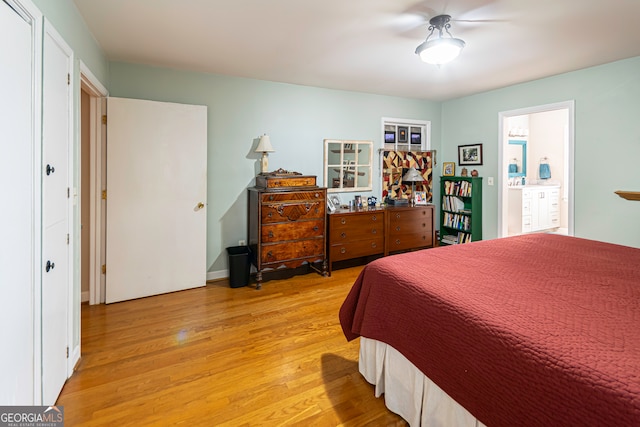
pixel 460 209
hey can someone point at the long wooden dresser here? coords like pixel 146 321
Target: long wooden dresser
pixel 287 227
pixel 359 233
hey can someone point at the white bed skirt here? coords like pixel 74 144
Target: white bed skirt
pixel 407 391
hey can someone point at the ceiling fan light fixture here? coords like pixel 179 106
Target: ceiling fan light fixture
pixel 440 50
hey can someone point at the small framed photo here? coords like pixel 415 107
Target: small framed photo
pixel 331 207
pixel 403 134
pixel 335 200
pixel 357 201
pixel 470 154
pixel 420 198
pixel 448 168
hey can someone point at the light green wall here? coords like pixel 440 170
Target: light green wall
pixel 66 19
pixel 607 143
pixel 297 118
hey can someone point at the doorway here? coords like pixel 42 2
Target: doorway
pixel 536 156
pixel 93 180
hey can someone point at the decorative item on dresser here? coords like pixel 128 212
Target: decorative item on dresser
pixel 287 212
pixel 359 233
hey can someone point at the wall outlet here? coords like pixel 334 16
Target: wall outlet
pixel 490 180
pixel 242 242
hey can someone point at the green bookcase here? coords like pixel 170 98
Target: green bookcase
pixel 460 209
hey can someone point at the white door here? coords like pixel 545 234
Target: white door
pixel 156 198
pixel 56 209
pixel 17 215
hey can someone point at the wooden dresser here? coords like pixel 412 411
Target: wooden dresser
pixel 355 234
pixel 364 232
pixel 287 224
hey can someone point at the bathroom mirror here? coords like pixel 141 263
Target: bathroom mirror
pixel 517 157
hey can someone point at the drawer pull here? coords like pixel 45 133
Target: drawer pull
pixel 271 197
pixel 317 195
pixel 373 245
pixel 343 235
pixel 269 254
pixel 271 234
pixel 315 228
pixel 343 221
pixel 397 241
pixel 343 250
pixel 397 216
pixel 374 231
pixel 398 228
pixel 270 214
pixel 374 218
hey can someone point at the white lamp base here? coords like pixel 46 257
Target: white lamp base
pixel 265 163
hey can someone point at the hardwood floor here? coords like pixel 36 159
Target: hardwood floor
pixel 224 357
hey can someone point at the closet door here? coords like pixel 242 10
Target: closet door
pixel 56 212
pixel 19 213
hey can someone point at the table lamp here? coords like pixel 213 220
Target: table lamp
pixel 413 176
pixel 264 147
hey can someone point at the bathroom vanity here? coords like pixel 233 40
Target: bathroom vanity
pixel 533 208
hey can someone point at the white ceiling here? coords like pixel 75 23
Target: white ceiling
pixel 367 45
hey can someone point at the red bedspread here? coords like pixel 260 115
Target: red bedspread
pixel 537 330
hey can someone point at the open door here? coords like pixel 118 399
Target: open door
pixel 156 198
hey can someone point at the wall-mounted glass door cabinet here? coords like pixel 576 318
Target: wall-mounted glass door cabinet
pixel 347 165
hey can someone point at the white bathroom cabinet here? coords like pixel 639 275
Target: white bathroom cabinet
pixel 533 208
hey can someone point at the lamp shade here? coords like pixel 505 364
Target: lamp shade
pixel 264 146
pixel 440 51
pixel 413 175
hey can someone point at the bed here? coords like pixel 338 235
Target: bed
pixel 539 330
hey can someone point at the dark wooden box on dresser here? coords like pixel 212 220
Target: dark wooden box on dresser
pixel 359 233
pixel 287 227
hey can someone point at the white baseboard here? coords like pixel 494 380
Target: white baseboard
pixel 84 296
pixel 216 275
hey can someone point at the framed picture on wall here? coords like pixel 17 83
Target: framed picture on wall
pixel 470 154
pixel 448 168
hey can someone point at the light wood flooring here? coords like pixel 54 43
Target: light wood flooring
pixel 217 356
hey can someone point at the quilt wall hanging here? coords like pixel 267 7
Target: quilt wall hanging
pixel 396 163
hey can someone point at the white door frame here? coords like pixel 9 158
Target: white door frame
pixel 503 213
pixel 97 93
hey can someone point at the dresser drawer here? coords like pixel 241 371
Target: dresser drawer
pixel 362 222
pixel 294 211
pixel 416 226
pixel 409 241
pixel 287 231
pixel 406 216
pixel 356 249
pixel 295 196
pixel 292 250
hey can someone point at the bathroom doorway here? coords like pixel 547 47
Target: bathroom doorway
pixel 536 154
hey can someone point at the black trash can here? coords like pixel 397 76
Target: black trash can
pixel 239 266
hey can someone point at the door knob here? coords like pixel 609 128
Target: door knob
pixel 49 266
pixel 50 169
pixel 199 206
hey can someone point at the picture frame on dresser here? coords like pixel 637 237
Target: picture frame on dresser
pixel 420 198
pixel 336 200
pixel 331 207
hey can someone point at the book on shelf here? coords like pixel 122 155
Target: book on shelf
pixel 458 188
